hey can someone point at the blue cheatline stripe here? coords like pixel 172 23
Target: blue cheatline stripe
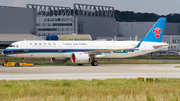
pixel 64 49
pixel 24 51
pixel 119 52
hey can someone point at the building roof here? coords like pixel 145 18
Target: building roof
pixel 18 37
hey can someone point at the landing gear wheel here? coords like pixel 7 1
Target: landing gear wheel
pixel 17 65
pixel 80 64
pixel 94 63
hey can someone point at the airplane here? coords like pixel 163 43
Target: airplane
pixel 81 52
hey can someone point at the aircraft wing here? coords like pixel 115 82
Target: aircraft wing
pixel 158 46
pixel 98 52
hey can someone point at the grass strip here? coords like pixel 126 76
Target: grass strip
pixel 95 90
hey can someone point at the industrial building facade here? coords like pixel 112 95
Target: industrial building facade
pixel 16 23
pixel 141 28
pixel 17 20
pixel 129 30
pixel 83 19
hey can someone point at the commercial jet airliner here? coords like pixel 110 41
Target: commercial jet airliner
pixel 81 52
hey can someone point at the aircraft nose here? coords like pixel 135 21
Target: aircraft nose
pixel 5 51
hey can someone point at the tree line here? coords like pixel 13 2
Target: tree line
pixel 130 16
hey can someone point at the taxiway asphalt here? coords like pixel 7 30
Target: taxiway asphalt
pixel 88 72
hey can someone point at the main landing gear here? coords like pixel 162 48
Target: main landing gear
pixel 94 63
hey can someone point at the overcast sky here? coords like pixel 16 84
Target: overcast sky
pixel 161 7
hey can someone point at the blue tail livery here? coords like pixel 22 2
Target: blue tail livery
pixel 156 32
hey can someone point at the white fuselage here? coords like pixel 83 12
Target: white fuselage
pixel 65 49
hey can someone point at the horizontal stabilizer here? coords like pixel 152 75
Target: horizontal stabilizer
pixel 159 46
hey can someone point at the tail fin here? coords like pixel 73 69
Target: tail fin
pixel 156 32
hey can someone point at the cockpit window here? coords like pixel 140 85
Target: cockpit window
pixel 13 46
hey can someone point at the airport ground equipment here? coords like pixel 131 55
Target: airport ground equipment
pixel 9 63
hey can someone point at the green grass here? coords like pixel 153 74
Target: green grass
pixel 177 67
pixel 95 90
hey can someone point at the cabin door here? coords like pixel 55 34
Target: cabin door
pixel 26 47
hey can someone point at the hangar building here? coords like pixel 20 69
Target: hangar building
pixel 82 19
pixel 16 24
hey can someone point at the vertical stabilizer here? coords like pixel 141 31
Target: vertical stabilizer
pixel 156 32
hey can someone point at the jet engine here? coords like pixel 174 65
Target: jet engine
pixel 80 57
pixel 59 60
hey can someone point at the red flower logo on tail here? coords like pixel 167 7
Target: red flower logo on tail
pixel 157 31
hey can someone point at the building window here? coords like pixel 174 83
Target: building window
pixel 47 29
pixel 62 24
pixel 176 41
pixel 69 19
pixel 65 29
pixel 69 29
pixel 64 19
pixel 56 19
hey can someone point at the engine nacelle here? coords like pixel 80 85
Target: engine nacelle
pixel 80 57
pixel 59 60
